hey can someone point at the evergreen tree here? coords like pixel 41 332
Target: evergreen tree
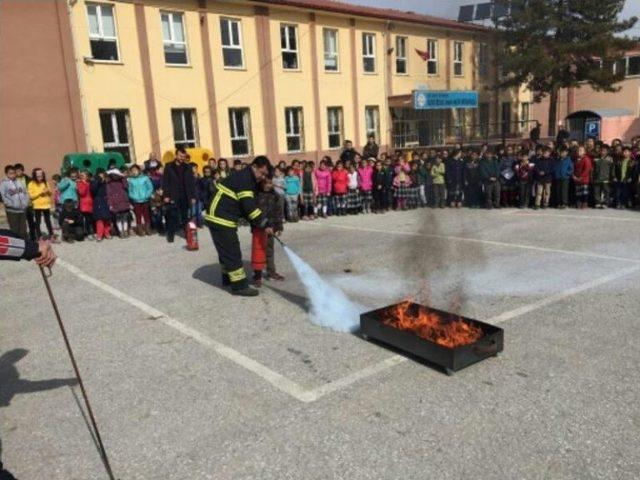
pixel 552 44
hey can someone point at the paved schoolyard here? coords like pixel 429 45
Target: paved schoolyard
pixel 188 382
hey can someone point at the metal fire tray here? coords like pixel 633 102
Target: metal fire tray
pixel 449 359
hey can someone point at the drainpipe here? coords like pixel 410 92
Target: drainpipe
pixel 83 104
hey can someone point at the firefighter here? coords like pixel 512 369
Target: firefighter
pixel 235 198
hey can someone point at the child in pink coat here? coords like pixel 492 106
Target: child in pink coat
pixel 323 184
pixel 401 184
pixel 365 181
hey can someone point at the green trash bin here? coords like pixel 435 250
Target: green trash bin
pixel 91 161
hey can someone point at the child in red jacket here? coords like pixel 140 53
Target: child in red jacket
pixel 85 204
pixel 582 177
pixel 340 180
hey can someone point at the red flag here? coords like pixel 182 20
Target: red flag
pixel 423 55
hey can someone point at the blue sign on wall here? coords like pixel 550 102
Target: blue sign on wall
pixel 592 129
pixel 441 99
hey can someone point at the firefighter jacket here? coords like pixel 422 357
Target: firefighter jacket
pixel 233 199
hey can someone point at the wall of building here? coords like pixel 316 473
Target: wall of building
pixel 141 82
pixel 40 111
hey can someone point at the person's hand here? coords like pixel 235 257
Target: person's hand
pixel 47 256
pixel 278 233
pixel 166 199
pixel 269 231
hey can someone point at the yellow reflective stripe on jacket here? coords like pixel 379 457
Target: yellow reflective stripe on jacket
pixel 237 275
pixel 227 191
pixel 255 214
pixel 211 217
pixel 245 194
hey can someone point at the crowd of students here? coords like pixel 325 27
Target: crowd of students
pixel 146 200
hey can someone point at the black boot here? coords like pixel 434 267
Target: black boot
pixel 246 292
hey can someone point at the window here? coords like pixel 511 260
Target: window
pixel 457 58
pixel 372 121
pixel 506 117
pixel 330 38
pixel 240 127
pixel 524 116
pixel 369 52
pixel 116 132
pixel 633 65
pixel 289 44
pixel 173 38
pixel 401 55
pixel 432 63
pixel 293 123
pixel 334 116
pixel 231 43
pixel 483 60
pixel 185 132
pixel 620 66
pixel 102 32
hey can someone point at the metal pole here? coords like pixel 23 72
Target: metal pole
pixel 103 452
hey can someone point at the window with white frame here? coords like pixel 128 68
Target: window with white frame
pixel 334 118
pixel 231 33
pixel 457 58
pixel 185 131
pixel 293 127
pixel 432 62
pixel 174 38
pixel 483 60
pixel 372 121
pixel 116 133
pixel 330 37
pixel 102 32
pixel 369 52
pixel 524 116
pixel 401 55
pixel 289 45
pixel 240 128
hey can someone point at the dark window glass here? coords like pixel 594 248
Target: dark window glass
pixel 104 50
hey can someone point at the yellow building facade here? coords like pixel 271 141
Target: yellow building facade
pixel 290 79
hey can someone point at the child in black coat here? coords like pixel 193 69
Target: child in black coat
pixel 72 222
pixel 262 245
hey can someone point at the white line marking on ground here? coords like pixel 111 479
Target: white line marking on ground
pixel 292 388
pixel 479 240
pixel 516 312
pixel 280 382
pixel 520 213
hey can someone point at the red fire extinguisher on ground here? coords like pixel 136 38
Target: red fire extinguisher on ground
pixel 191 233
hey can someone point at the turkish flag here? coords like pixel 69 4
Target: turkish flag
pixel 423 55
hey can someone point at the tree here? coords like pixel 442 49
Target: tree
pixel 548 45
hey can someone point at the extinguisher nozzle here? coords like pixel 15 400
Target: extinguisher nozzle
pixel 279 241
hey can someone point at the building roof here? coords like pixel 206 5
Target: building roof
pixel 379 13
pixel 604 112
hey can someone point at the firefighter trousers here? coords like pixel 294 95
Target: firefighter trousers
pixel 227 244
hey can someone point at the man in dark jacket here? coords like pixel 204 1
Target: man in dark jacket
pixel 489 173
pixel 178 192
pixel 348 153
pixel 235 198
pixel 371 149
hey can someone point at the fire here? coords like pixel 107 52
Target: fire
pixel 431 326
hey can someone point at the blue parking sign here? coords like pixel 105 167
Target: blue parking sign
pixel 592 129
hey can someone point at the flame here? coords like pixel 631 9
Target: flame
pixel 431 326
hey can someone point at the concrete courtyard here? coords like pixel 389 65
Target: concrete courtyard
pixel 188 382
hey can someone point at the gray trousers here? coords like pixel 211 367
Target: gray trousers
pixel 18 223
pixel 600 189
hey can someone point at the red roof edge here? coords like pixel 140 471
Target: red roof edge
pixel 379 13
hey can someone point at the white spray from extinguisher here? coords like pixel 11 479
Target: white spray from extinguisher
pixel 330 307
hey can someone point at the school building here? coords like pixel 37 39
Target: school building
pixel 605 116
pixel 286 78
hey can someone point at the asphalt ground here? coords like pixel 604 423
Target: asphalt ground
pixel 188 382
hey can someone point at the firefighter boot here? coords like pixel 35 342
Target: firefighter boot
pixel 246 292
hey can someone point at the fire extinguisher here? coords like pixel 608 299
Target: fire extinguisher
pixel 192 235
